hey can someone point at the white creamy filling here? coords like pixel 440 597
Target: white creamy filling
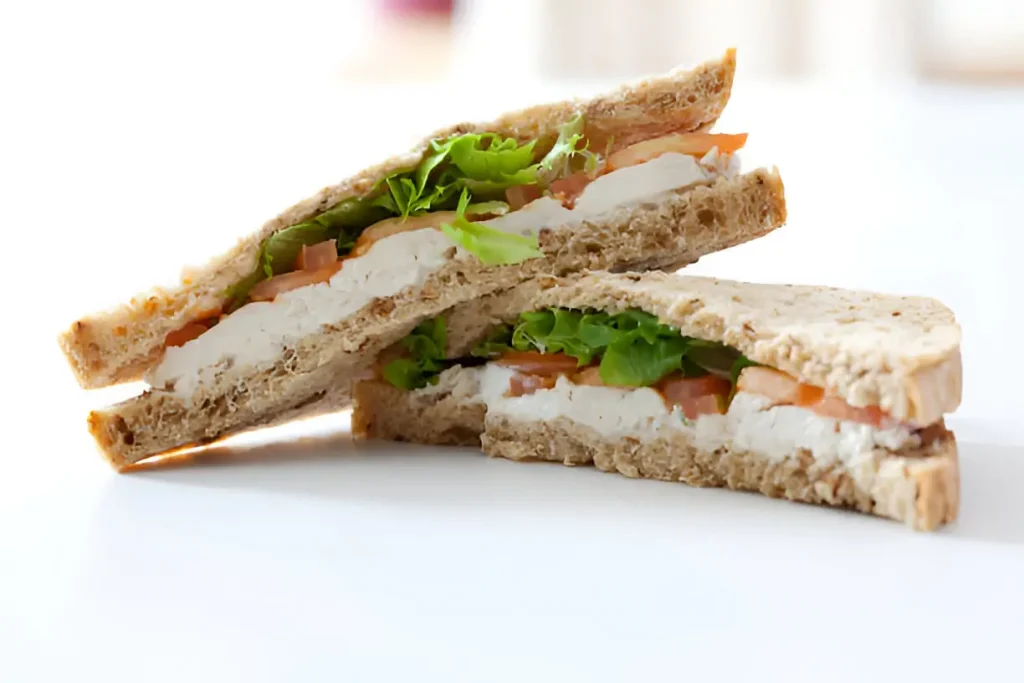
pixel 751 423
pixel 259 331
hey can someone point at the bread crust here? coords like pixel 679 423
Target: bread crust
pixel 918 486
pixel 121 344
pixel 680 226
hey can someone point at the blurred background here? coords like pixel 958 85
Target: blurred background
pixel 975 41
pixel 141 137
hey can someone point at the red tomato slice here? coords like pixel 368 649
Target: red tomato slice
pixel 783 389
pixel 837 408
pixel 696 396
pixel 694 144
pixel 676 388
pixel 521 195
pixel 710 404
pixel 536 363
pixel 317 256
pixel 279 284
pixel 778 386
pixel 521 385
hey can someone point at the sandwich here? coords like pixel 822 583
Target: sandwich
pixel 813 394
pixel 275 328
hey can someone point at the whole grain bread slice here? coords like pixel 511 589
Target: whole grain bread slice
pixel 678 227
pixel 918 486
pixel 121 344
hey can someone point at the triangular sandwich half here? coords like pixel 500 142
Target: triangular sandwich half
pixel 813 394
pixel 629 180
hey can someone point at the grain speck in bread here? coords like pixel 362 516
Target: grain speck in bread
pixel 121 344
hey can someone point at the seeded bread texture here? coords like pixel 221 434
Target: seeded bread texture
pixel 918 486
pixel 900 353
pixel 121 344
pixel 680 226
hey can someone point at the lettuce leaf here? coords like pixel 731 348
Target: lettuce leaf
pixel 493 247
pixel 635 362
pixel 426 359
pixel 489 156
pixel 497 342
pixel 489 173
pixel 556 162
pixel 714 358
pixel 491 208
pixel 282 248
pixel 406 197
pixel 633 347
pixel 353 214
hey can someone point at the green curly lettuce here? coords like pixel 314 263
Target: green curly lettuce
pixel 486 175
pixel 492 246
pixel 425 346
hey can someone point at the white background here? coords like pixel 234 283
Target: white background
pixel 134 143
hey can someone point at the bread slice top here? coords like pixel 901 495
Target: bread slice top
pixel 899 353
pixel 119 345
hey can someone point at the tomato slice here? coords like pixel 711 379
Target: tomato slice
pixel 837 408
pixel 521 385
pixel 709 404
pixel 779 386
pixel 317 256
pixel 694 144
pixel 784 389
pixel 186 334
pixel 569 188
pixel 536 363
pixel 521 195
pixel 696 396
pixel 676 388
pixel 279 284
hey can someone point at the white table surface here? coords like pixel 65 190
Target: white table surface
pixel 320 560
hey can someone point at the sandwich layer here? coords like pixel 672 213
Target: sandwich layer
pixel 680 227
pixel 901 354
pixel 781 451
pixel 259 331
pixel 751 422
pixel 122 344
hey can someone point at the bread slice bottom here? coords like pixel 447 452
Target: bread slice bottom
pixel 919 486
pixel 159 423
pixel 679 228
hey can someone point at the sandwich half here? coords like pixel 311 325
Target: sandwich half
pixel 630 180
pixel 813 394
